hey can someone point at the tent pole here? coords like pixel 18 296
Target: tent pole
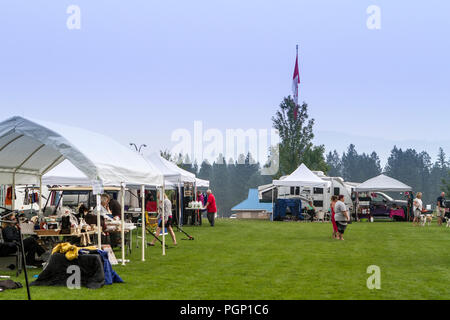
pixel 179 204
pixel 143 221
pixel 122 228
pixel 163 220
pixel 195 199
pixel 357 205
pixel 40 194
pixel 99 225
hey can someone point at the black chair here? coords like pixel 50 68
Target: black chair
pixel 17 255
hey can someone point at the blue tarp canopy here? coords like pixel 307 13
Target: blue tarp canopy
pixel 252 203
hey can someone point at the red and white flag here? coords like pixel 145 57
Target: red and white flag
pixel 295 83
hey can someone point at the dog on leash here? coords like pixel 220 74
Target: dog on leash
pixel 426 218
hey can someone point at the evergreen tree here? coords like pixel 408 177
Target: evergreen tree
pixel 334 163
pixel 205 171
pixel 359 168
pixel 296 135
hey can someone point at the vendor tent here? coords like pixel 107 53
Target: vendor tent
pixel 302 177
pixel 175 177
pixel 382 183
pixel 201 183
pixel 171 172
pixel 31 148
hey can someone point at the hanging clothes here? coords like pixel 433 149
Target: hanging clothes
pixel 8 200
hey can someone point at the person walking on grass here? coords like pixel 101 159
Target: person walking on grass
pixel 210 207
pixel 333 213
pixel 417 208
pixel 441 208
pixel 168 220
pixel 341 217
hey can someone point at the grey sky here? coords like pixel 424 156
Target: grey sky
pixel 137 70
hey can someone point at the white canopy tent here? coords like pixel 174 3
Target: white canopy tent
pixel 201 183
pixel 31 148
pixel 174 176
pixel 379 184
pixel 302 177
pixel 382 183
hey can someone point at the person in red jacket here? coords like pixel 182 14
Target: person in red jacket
pixel 211 208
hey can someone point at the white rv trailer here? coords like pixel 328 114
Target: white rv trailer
pixel 321 197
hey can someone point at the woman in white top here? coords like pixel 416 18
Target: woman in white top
pixel 168 221
pixel 417 208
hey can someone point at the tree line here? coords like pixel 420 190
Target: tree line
pixel 411 167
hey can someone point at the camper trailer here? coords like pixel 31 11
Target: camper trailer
pixel 321 197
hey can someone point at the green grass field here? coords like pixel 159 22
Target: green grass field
pixel 260 260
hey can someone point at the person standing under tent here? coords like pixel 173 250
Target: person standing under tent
pixel 115 207
pixel 210 207
pixel 417 208
pixel 441 208
pixel 168 220
pixel 201 199
pixel 341 217
pixel 333 213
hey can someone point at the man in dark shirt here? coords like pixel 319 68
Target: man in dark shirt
pixel 441 208
pixel 115 207
pixel 116 211
pixel 31 247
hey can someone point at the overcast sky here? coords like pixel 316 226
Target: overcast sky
pixel 138 70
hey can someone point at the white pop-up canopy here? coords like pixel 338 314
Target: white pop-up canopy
pixel 200 183
pixel 31 148
pixel 302 177
pixel 382 183
pixel 171 172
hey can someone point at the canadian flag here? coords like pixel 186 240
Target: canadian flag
pixel 295 83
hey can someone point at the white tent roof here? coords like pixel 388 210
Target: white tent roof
pixel 383 183
pixel 201 183
pixel 65 174
pixel 302 177
pixel 31 148
pixel 171 172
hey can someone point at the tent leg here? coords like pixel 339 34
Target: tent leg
pixel 143 221
pixel 122 228
pixel 163 220
pixel 40 195
pixel 99 225
pixel 179 205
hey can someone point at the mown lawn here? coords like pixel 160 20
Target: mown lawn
pixel 260 260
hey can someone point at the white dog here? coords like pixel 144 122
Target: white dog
pixel 448 222
pixel 426 218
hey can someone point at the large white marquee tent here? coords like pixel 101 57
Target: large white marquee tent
pixel 31 148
